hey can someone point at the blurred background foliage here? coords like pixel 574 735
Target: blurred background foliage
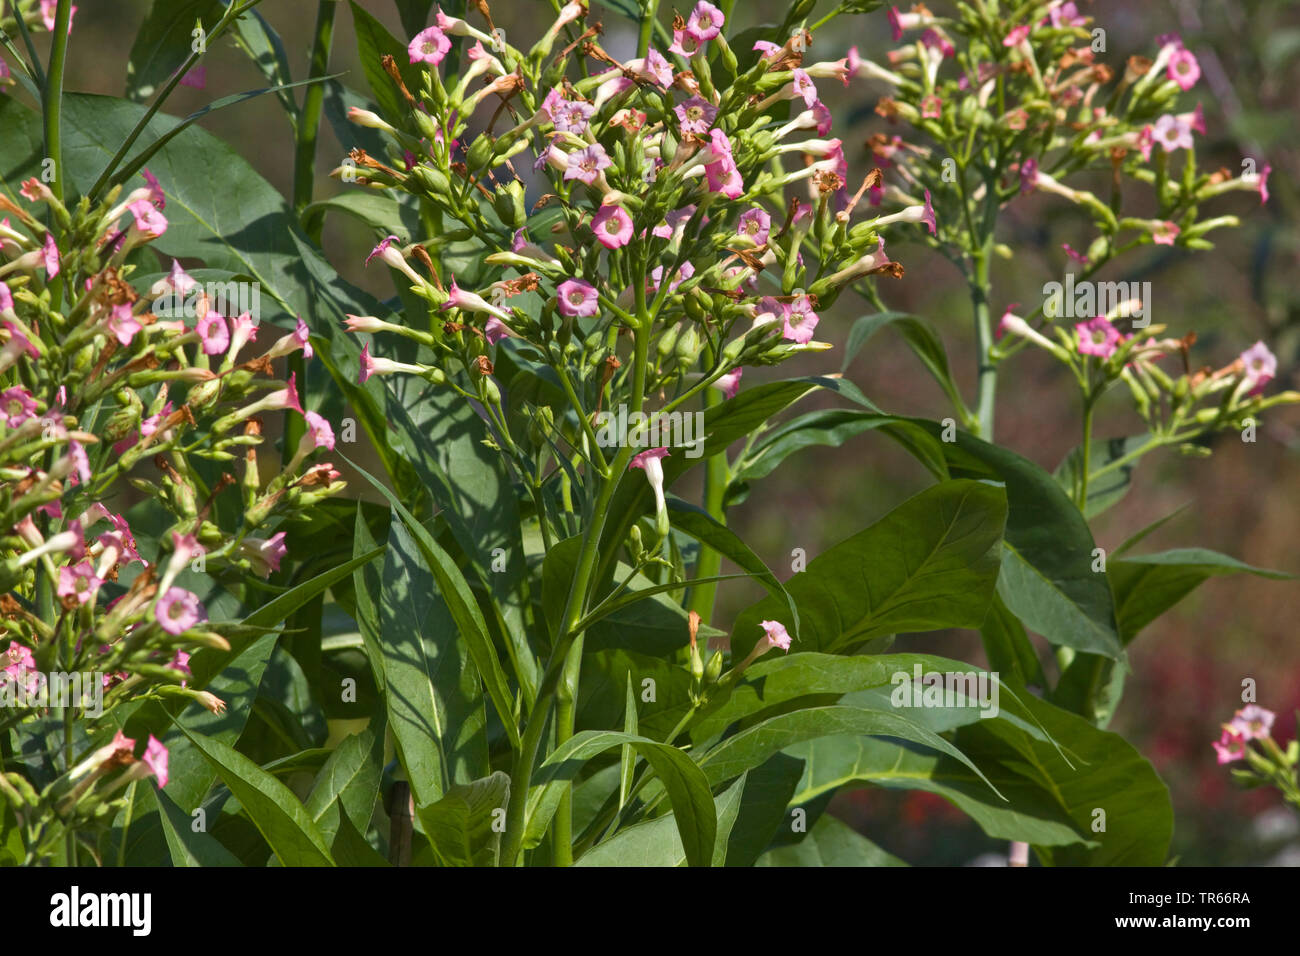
pixel 1189 665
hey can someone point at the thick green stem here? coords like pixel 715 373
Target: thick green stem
pixel 52 95
pixel 1085 453
pixel 522 773
pixel 304 157
pixel 648 16
pixel 716 478
pixel 988 372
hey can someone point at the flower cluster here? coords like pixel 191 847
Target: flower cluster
pixel 665 212
pixel 1249 737
pixel 102 386
pixel 1004 110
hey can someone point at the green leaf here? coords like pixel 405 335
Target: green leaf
pixel 930 563
pixel 262 44
pixel 278 815
pixel 188 847
pixel 769 789
pixel 1029 814
pixel 707 530
pixel 435 700
pixel 379 211
pixel 831 427
pixel 349 847
pixel 627 756
pixel 1147 586
pixel 463 607
pixel 415 14
pixel 920 338
pixel 830 843
pixel 1108 775
pixel 460 825
pixel 752 746
pixel 657 842
pixel 1008 648
pixel 349 781
pixel 280 607
pixel 685 783
pixel 164 42
pixel 1109 488
pixel 374 42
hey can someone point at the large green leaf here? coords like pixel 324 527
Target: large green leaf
pixel 1108 489
pixel 1148 585
pixel 460 601
pixel 349 782
pixel 435 702
pixel 685 783
pixel 164 42
pixel 657 842
pixel 188 846
pixel 462 826
pixel 930 563
pixel 1145 587
pixel 1106 775
pixel 920 338
pixel 1029 814
pixel 753 746
pixel 278 815
pixel 830 842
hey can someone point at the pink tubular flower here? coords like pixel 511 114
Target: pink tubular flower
pixel 650 462
pixel 178 610
pixel 50 255
pixel 755 224
pixel 775 635
pixel 927 216
pixel 804 86
pixel 122 323
pixel 1184 69
pixel 319 431
pixel 214 332
pixel 495 330
pixel 78 582
pixel 155 758
pixel 1008 318
pixel 1098 337
pixel 1172 133
pixel 1261 367
pixel 729 384
pixel 696 115
pixel 800 320
pixel 1017 36
pixel 1253 722
pixel 681 275
pixel 196 78
pixel 587 163
pixel 1263 184
pixel 6 297
pixel 1028 175
pixel 264 554
pixel 381 248
pixel 49 8
pixel 613 227
pixel 705 22
pixel 149 222
pixel 16 406
pixel 18 660
pixel 430 45
pixel 156 194
pixel 577 298
pixel 931 107
pixel 571 116
pixel 1231 745
pixel 1165 233
pixel 180 662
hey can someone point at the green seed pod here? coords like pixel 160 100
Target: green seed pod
pixel 713 669
pixel 688 346
pixel 668 340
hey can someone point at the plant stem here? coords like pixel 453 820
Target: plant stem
pixel 988 373
pixel 304 156
pixel 716 478
pixel 52 96
pixel 1085 453
pixel 522 773
pixel 648 15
